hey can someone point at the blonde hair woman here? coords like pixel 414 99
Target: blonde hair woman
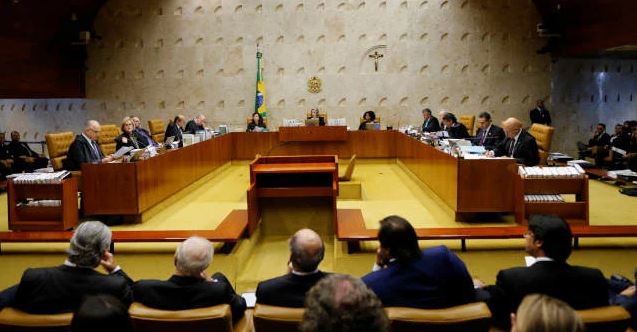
pixel 541 313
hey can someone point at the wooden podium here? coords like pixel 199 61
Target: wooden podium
pixel 291 176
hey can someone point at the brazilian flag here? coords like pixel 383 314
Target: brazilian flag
pixel 259 103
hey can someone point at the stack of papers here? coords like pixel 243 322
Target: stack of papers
pixel 559 156
pixel 551 172
pixel 543 198
pixel 623 172
pixel 40 178
pixel 580 162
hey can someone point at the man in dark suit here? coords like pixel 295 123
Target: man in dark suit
pixel 175 129
pixel 519 144
pixel 430 123
pixel 85 149
pixel 306 253
pixel 196 124
pixel 6 161
pixel 24 157
pixel 406 277
pixel 453 127
pixel 549 241
pixel 62 288
pixel 488 135
pixel 597 145
pixel 146 138
pixel 190 287
pixel 540 114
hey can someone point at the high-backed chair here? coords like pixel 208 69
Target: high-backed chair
pixel 157 129
pixel 349 170
pixel 58 146
pixel 107 138
pixel 14 320
pixel 468 317
pixel 605 319
pixel 469 122
pixel 543 136
pixel 268 318
pixel 216 318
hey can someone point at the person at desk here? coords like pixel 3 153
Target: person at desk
pixel 314 114
pixel 144 136
pixel 128 137
pixel 430 124
pixel 519 144
pixel 175 129
pixel 85 149
pixel 196 124
pixel 454 128
pixel 488 135
pixel 256 124
pixel 368 117
pixel 25 159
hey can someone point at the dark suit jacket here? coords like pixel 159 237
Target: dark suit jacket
pixel 80 152
pixel 580 287
pixel 18 149
pixel 599 140
pixel 458 130
pixel 180 293
pixel 540 116
pixel 119 142
pixel 438 279
pixel 145 138
pixel 525 150
pixel 494 136
pixel 173 130
pixel 192 127
pixel 288 290
pixel 62 288
pixel 4 152
pixel 431 126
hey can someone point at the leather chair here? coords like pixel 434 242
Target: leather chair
pixel 469 122
pixel 14 320
pixel 216 318
pixel 58 146
pixel 468 317
pixel 277 319
pixel 157 129
pixel 107 138
pixel 611 318
pixel 349 170
pixel 543 136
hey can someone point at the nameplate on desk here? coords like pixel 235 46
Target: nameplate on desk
pixel 309 134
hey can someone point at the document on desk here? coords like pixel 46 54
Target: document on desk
pixel 122 151
pixel 475 156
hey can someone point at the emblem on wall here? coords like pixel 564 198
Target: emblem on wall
pixel 314 84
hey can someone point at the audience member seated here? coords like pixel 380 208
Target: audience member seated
pixel 62 288
pixel 519 144
pixel 368 117
pixel 597 145
pixel 101 313
pixel 540 114
pixel 314 114
pixel 85 149
pixel 306 253
pixel 190 287
pixel 256 124
pixel 622 292
pixel 128 137
pixel 404 276
pixel 541 313
pixel 548 240
pixel 196 124
pixel 430 123
pixel 488 135
pixel 342 303
pixel 145 138
pixel 175 129
pixel 6 162
pixel 24 158
pixel 453 127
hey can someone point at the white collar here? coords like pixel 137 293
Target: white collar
pixel 541 259
pixel 86 137
pixel 304 273
pixel 518 135
pixel 488 128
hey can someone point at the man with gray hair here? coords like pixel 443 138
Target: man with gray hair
pixel 85 149
pixel 190 287
pixel 306 253
pixel 61 288
pixel 196 124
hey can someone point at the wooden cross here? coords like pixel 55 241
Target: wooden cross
pixel 376 56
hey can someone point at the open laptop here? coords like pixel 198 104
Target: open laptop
pixel 137 154
pixel 312 122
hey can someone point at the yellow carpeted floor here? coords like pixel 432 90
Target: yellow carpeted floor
pixel 386 189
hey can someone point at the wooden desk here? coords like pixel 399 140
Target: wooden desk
pixel 313 134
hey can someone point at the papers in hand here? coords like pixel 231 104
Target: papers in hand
pixel 251 299
pixel 122 151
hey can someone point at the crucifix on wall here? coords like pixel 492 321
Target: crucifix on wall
pixel 376 56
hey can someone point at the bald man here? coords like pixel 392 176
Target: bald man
pixel 306 253
pixel 196 124
pixel 190 287
pixel 85 149
pixel 518 144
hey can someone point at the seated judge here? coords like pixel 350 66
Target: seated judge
pixel 128 137
pixel 488 135
pixel 190 286
pixel 196 124
pixel 430 123
pixel 518 144
pixel 306 253
pixel 368 117
pixel 256 123
pixel 145 138
pixel 24 157
pixel 175 129
pixel 454 128
pixel 596 146
pixel 314 114
pixel 85 149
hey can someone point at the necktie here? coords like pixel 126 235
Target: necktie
pixel 484 136
pixel 511 148
pixel 96 153
pixel 134 140
pixel 424 127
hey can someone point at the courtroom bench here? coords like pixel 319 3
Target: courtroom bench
pixel 229 231
pixel 351 229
